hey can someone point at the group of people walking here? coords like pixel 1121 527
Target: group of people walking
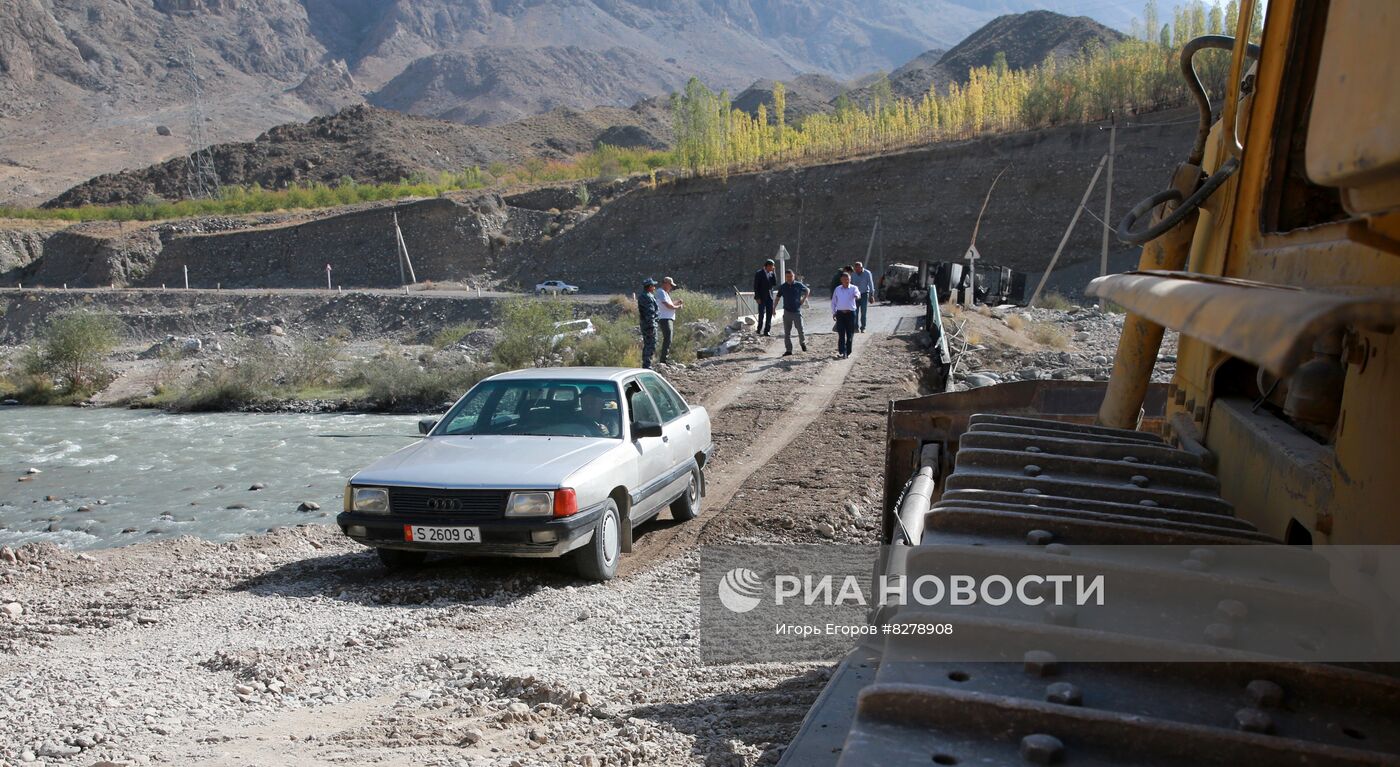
pixel 850 302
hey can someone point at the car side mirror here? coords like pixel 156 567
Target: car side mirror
pixel 426 425
pixel 645 429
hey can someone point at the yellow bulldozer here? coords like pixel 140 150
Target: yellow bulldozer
pixel 1275 253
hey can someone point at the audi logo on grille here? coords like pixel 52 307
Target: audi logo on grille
pixel 444 504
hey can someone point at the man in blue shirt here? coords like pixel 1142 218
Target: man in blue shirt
pixel 764 281
pixel 793 294
pixel 865 283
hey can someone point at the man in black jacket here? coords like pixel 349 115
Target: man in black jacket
pixel 765 281
pixel 646 317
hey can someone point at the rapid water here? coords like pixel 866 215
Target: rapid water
pixel 145 475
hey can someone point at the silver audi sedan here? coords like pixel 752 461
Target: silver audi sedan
pixel 544 462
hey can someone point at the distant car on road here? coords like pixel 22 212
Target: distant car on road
pixel 555 287
pixel 537 463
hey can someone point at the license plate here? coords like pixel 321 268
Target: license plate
pixel 427 534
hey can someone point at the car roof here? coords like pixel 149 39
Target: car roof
pixel 574 373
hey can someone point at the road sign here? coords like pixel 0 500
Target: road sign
pixel 972 254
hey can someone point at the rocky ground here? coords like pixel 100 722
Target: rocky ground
pixel 1015 344
pixel 294 646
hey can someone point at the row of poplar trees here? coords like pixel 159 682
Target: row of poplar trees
pixel 1137 74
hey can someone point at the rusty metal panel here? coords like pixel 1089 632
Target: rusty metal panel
pixel 1273 326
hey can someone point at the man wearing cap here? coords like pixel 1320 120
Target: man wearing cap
pixel 865 283
pixel 666 306
pixel 765 281
pixel 794 295
pixel 646 315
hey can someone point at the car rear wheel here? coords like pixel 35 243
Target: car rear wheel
pixel 398 559
pixel 597 559
pixel 687 507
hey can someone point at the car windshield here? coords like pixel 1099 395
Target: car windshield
pixel 544 407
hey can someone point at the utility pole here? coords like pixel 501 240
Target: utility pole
pixel 1108 197
pixel 1068 230
pixel 403 253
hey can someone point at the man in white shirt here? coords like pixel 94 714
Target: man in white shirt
pixel 844 300
pixel 666 307
pixel 865 283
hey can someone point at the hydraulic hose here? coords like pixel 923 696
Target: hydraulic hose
pixel 1198 92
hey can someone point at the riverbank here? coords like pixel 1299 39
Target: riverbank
pixel 320 351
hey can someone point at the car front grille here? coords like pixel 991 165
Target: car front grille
pixel 447 503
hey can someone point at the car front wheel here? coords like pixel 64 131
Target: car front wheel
pixel 687 507
pixel 597 559
pixel 398 559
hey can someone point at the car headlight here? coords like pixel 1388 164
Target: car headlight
pixel 530 505
pixel 372 500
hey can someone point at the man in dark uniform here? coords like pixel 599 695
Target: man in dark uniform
pixel 765 281
pixel 646 315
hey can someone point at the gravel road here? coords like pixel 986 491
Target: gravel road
pixel 294 647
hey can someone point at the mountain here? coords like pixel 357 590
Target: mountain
pixel 494 85
pixel 804 95
pixel 85 84
pixel 1026 39
pixel 373 145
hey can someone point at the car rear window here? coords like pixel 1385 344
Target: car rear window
pixel 545 407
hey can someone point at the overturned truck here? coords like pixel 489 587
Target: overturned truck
pixel 993 285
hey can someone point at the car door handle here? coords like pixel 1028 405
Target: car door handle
pixel 687 427
pixel 665 439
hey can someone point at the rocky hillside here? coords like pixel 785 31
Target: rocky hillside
pixel 378 145
pixel 805 95
pixel 707 232
pixel 95 86
pixel 1026 39
pixel 488 86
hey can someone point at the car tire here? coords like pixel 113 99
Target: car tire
pixel 687 507
pixel 398 559
pixel 597 559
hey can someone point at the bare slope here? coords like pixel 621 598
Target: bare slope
pixel 374 145
pixel 488 86
pixel 84 84
pixel 1026 39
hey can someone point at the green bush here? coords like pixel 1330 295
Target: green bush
pixel 703 306
pixel 450 335
pixel 73 352
pixel 1053 300
pixel 527 327
pixel 392 382
pixel 625 306
pixel 251 380
pixel 313 362
pixel 615 343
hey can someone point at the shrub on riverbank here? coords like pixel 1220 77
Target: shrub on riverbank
pixel 527 331
pixel 392 382
pixel 69 363
pixel 614 343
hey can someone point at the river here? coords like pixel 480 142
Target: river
pixel 117 477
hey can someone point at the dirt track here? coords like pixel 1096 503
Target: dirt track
pixel 295 647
